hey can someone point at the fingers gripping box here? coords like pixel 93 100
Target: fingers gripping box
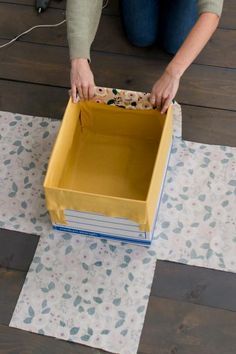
pixel 108 165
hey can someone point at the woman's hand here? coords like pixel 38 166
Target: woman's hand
pixel 164 90
pixel 82 80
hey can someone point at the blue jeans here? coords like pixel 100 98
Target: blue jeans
pixel 166 22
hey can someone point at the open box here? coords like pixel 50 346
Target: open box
pixel 108 165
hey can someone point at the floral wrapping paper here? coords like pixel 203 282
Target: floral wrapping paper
pixel 122 98
pixel 93 291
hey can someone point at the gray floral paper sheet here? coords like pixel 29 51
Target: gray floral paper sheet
pixel 93 291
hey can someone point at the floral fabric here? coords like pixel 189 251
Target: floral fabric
pixel 93 291
pixel 122 98
pixel 197 219
pixel 88 291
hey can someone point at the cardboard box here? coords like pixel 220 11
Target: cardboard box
pixel 107 168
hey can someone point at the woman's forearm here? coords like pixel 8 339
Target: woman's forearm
pixel 165 89
pixel 193 44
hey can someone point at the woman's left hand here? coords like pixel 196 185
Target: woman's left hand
pixel 164 90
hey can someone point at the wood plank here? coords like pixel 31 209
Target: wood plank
pixel 11 282
pixel 199 124
pixel 201 85
pixel 33 99
pixel 26 17
pixel 15 341
pixel 204 125
pixel 220 50
pixel 189 328
pixel 53 3
pixel 110 28
pixel 17 249
pixel 35 63
pixel 173 327
pixel 209 126
pixel 208 287
pixel 223 41
pixel 112 7
pixel 228 19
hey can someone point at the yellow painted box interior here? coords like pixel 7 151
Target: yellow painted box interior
pixel 108 160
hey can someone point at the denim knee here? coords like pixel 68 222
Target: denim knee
pixel 179 16
pixel 140 20
pixel 144 40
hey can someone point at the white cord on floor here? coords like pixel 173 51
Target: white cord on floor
pixel 29 30
pixel 41 26
pixel 105 3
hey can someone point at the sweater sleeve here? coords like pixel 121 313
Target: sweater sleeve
pixel 82 17
pixel 214 6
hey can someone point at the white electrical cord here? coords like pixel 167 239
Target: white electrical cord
pixel 41 26
pixel 105 3
pixel 29 30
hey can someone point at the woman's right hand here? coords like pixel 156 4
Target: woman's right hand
pixel 82 80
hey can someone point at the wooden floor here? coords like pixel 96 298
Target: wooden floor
pixel 191 310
